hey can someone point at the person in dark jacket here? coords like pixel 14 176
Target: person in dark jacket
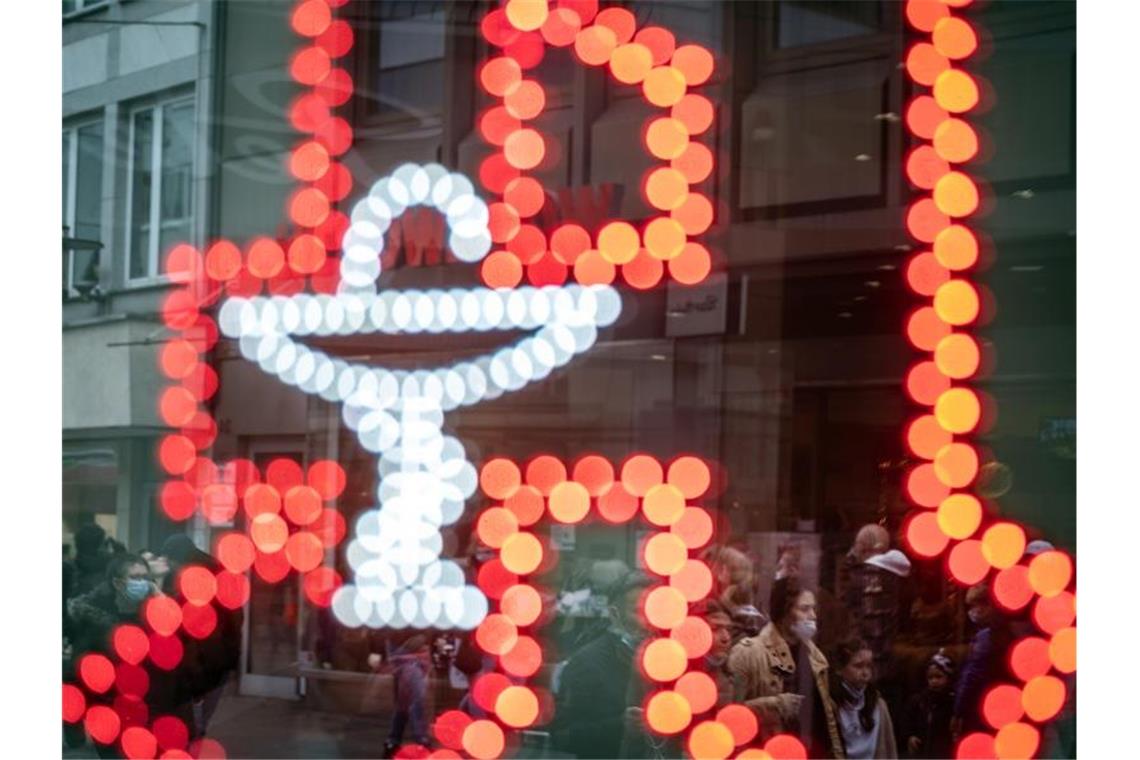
pixel 984 663
pixel 119 600
pixel 215 657
pixel 92 554
pixel 600 692
pixel 929 712
pixel 410 662
pixel 872 597
pixel 69 575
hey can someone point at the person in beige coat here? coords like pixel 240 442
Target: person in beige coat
pixel 783 676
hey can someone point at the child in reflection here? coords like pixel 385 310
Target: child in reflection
pixel 929 712
pixel 864 720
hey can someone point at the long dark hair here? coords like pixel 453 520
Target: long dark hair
pixel 844 652
pixel 783 597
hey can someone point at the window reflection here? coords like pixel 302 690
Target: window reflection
pixel 408 61
pixel 162 145
pixel 810 22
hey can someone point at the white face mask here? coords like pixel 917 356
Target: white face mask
pixel 804 630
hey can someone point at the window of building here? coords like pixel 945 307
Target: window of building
pixel 161 165
pixel 692 23
pixel 82 191
pixel 74 6
pixel 810 22
pixel 407 58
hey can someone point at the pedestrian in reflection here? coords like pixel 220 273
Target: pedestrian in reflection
pixel 782 675
pixel 929 712
pixel 410 661
pixel 716 661
pixel 91 556
pixel 117 599
pixel 120 600
pixel 599 713
pixel 875 575
pixel 159 571
pixel 864 720
pixel 870 540
pixel 788 560
pixel 734 588
pixel 69 575
pixel 217 656
pixel 732 576
pixel 983 664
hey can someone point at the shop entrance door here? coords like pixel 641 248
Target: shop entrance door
pixel 270 643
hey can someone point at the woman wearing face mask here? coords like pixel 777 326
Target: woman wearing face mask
pixel 119 600
pixel 781 674
pixel 116 600
pixel 864 720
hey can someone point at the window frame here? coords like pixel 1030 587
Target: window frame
pixel 86 6
pixel 890 24
pixel 153 274
pixel 71 130
pixel 366 67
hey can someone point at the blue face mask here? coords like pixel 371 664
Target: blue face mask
pixel 137 589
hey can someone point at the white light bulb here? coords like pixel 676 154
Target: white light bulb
pixel 609 304
pixel 290 315
pixel 401 310
pixel 304 368
pixel 344 606
pixel 493 309
pixel 517 308
pixel 311 317
pixel 423 309
pixel 334 314
pixel 470 310
pixel 447 312
pixel 396 192
pixel 472 248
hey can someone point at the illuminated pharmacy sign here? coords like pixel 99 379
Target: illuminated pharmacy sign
pixel 554 286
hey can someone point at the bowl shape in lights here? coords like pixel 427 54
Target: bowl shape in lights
pixel 399 578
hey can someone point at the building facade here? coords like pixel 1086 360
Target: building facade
pixel 137 102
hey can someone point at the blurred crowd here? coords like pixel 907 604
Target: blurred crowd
pixel 106 587
pixel 886 660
